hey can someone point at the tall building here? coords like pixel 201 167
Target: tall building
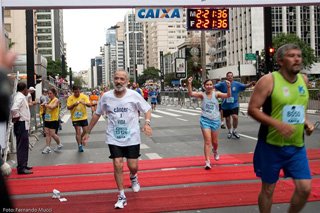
pixel 162 36
pixel 133 40
pixel 120 53
pixel 246 33
pixel 49 28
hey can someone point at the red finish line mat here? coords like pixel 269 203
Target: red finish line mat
pixel 180 162
pixel 146 179
pixel 173 199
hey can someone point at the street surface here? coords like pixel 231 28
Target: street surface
pixel 176 133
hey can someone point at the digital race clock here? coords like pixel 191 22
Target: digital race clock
pixel 208 19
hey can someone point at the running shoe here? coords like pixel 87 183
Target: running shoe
pixel 135 183
pixel 121 203
pixel 59 147
pixel 223 126
pixel 236 134
pixel 229 135
pixel 46 150
pixel 208 166
pixel 216 155
pixel 80 148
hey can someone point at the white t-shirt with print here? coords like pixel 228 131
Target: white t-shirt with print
pixel 123 127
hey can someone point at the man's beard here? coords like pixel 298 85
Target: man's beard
pixel 119 89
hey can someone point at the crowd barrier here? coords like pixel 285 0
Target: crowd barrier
pixel 182 98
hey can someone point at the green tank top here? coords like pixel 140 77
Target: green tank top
pixel 287 103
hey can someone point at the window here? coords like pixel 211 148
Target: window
pixel 7 13
pixel 7 27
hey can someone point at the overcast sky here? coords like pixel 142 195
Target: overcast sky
pixel 84 33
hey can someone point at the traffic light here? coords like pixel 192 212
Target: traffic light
pixel 276 66
pixel 201 69
pixel 38 78
pixel 136 68
pixel 271 51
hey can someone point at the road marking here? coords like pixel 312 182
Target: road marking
pixel 155 116
pixel 246 136
pixel 182 112
pixel 65 118
pixel 143 146
pixel 192 110
pixel 167 113
pixel 101 118
pixel 181 119
pixel 168 169
pixel 153 156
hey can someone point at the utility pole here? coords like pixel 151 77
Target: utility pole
pixel 30 49
pixel 203 56
pixel 267 39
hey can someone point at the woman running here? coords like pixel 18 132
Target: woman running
pixel 51 123
pixel 210 116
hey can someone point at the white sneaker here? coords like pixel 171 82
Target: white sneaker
pixel 121 203
pixel 208 166
pixel 46 150
pixel 135 183
pixel 216 155
pixel 59 147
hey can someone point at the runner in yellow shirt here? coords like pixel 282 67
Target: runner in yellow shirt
pixel 51 123
pixel 77 104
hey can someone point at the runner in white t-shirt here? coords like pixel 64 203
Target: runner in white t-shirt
pixel 123 130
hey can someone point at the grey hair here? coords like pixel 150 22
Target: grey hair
pixel 284 48
pixel 128 76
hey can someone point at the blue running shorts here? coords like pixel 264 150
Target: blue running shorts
pixel 206 123
pixel 268 160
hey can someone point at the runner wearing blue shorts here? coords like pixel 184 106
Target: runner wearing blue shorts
pixel 210 116
pixel 283 96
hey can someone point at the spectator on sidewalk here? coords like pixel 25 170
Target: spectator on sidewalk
pixel 21 119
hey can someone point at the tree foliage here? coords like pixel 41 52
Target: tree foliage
pixel 78 81
pixel 308 57
pixel 151 73
pixel 55 67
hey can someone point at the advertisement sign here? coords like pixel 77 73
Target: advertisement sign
pixel 180 68
pixel 159 14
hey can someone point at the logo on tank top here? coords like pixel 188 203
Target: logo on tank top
pixel 286 92
pixel 301 90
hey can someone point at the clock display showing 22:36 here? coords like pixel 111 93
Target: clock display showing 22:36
pixel 208 19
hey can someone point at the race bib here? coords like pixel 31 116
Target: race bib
pixel 47 116
pixel 230 100
pixel 153 96
pixel 121 132
pixel 293 114
pixel 77 114
pixel 94 102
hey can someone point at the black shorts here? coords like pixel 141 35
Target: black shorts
pixel 80 123
pixel 227 113
pixel 130 152
pixel 51 124
pixel 220 107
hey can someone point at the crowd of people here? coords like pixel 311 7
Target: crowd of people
pixel 280 142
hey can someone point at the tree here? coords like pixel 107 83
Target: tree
pixel 55 67
pixel 308 57
pixel 168 77
pixel 78 81
pixel 151 73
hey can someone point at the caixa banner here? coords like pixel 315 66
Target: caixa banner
pixel 159 14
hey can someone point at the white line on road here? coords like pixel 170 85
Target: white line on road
pixel 181 119
pixel 101 118
pixel 167 113
pixel 182 112
pixel 143 146
pixel 153 156
pixel 246 136
pixel 155 116
pixel 65 118
pixel 192 110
